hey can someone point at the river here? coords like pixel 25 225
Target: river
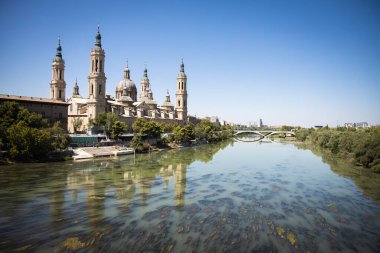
pixel 229 196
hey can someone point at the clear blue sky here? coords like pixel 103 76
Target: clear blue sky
pixel 288 62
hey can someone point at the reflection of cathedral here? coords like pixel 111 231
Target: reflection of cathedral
pixel 126 104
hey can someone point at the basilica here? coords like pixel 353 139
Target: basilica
pixel 126 103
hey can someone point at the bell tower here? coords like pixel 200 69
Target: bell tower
pixel 57 83
pixel 181 94
pixel 97 80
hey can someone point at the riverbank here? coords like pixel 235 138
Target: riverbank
pixel 361 147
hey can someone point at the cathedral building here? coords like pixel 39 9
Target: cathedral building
pixel 126 103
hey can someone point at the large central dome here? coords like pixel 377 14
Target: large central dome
pixel 126 84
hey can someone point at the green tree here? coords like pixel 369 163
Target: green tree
pixel 184 134
pixel 27 143
pixel 168 127
pixel 106 119
pixel 118 128
pixel 11 113
pixel 207 130
pixel 151 129
pixel 138 144
pixel 58 137
pixel 138 124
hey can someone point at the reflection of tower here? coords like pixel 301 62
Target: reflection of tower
pixel 180 184
pixel 145 187
pixel 125 190
pixel 57 207
pixel 166 173
pixel 95 204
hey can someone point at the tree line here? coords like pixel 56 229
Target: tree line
pixel 360 146
pixel 163 133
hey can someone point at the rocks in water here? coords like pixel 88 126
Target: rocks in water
pixel 73 243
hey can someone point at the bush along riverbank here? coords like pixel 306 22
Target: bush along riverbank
pixel 358 146
pixel 152 133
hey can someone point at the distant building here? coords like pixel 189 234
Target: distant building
pixel 214 119
pixel 356 125
pixel 259 123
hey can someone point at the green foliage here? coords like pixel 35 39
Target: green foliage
pixel 211 132
pixel 106 119
pixel 138 144
pixel 26 135
pixel 58 137
pixel 168 127
pixel 138 124
pixel 27 143
pixel 151 129
pixel 362 146
pixel 184 134
pixel 118 128
pixel 288 128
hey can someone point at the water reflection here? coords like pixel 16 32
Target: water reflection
pixel 367 181
pixel 234 197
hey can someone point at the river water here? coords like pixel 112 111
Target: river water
pixel 229 196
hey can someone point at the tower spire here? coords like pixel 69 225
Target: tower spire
pixel 182 66
pixel 145 73
pixel 127 74
pixel 98 43
pixel 167 96
pixel 76 88
pixel 58 55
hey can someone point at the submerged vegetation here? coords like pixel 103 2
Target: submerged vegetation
pixel 359 146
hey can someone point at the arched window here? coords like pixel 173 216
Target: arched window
pixel 60 93
pixel 53 93
pixel 182 85
pixel 179 102
pixel 96 65
pixel 92 89
pixel 100 66
pixel 100 89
